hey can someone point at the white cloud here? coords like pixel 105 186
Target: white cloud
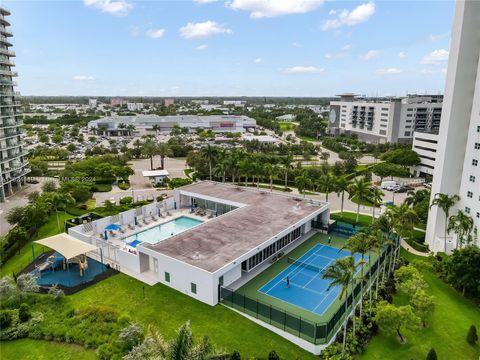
pixel 347 47
pixel 358 15
pixel 258 60
pixel 204 1
pixel 271 8
pixel 112 7
pixel 388 71
pixel 402 54
pixel 297 45
pixel 203 29
pixel 155 33
pixel 304 70
pixel 83 78
pixel 435 57
pixel 370 55
pixel 202 47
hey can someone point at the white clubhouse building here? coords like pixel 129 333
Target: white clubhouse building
pixel 235 233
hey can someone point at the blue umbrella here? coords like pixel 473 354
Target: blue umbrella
pixel 113 227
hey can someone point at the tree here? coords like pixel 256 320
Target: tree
pixel 395 319
pixel 361 190
pixel 60 201
pixel 445 202
pixel 15 215
pixel 463 270
pixel 423 305
pixel 324 155
pixel 286 162
pixel 27 283
pixel 350 164
pixel 402 156
pixel 209 153
pixel 386 169
pixel 342 185
pixel 149 149
pixel 270 171
pixel 164 150
pixel 376 198
pixel 327 184
pixel 49 186
pixel 24 313
pixel 342 273
pixel 272 355
pixel 131 336
pixel 408 280
pixel 472 336
pixel 235 355
pixel 432 354
pixel 462 225
pixel 302 183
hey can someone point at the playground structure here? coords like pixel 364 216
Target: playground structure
pixel 57 262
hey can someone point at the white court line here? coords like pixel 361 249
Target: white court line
pixel 319 273
pixel 295 268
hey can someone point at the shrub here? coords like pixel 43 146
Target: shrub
pixel 49 186
pixel 177 182
pixel 432 355
pixel 5 319
pixel 235 355
pixel 56 292
pixel 472 336
pixel 273 355
pixel 27 283
pixel 131 336
pixel 123 185
pixel 24 313
pixel 127 200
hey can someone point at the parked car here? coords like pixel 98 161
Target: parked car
pixel 394 188
pixel 401 189
pixel 388 184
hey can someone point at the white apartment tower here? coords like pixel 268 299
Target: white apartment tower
pixel 384 120
pixel 457 168
pixel 13 161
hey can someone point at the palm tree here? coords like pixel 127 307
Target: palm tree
pixel 359 243
pixel 286 161
pixel 220 169
pixel 149 149
pixel 156 128
pixel 416 197
pixel 257 171
pixel 60 201
pixel 359 189
pixel 209 152
pixel 302 183
pixel 326 184
pixel 164 150
pixel 270 171
pixel 232 165
pixel 385 225
pixel 376 198
pixel 445 202
pixel 245 167
pixel 131 128
pixel 342 185
pixel 462 225
pixel 342 273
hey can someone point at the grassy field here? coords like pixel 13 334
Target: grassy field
pixel 20 261
pixel 285 126
pixel 446 332
pixel 350 217
pixel 43 350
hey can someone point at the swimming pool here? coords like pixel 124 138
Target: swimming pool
pixel 163 231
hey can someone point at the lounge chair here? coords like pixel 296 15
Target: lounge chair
pixel 131 227
pixel 154 218
pixel 168 213
pixel 145 221
pixel 122 230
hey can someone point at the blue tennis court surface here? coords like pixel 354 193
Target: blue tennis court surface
pixel 307 288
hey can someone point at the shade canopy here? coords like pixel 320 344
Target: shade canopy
pixel 113 227
pixel 66 245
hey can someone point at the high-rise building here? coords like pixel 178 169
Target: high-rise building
pixel 384 120
pixel 13 160
pixel 457 168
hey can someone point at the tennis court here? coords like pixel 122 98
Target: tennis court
pixel 307 289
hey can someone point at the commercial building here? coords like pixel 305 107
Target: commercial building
pixel 13 156
pixel 426 145
pixel 117 101
pixel 384 120
pixel 135 106
pixel 457 169
pixel 168 102
pixel 143 124
pixel 92 103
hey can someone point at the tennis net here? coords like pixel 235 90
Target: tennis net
pixel 303 265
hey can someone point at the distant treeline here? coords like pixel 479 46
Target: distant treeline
pixel 67 119
pixel 159 99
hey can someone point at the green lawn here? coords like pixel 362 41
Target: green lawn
pixel 350 217
pixel 18 262
pixel 167 309
pixel 26 349
pixel 285 126
pixel 446 332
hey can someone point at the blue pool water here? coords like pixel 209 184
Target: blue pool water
pixel 163 231
pixel 307 288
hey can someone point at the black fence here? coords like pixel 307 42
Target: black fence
pixel 314 332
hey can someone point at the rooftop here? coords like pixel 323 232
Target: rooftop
pixel 220 241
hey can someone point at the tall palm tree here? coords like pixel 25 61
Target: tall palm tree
pixel 342 273
pixel 270 170
pixel 445 202
pixel 326 184
pixel 60 201
pixel 164 150
pixel 245 167
pixel 302 183
pixel 360 243
pixel 342 185
pixel 220 169
pixel 149 149
pixel 209 152
pixel 232 165
pixel 385 225
pixel 416 197
pixel 156 128
pixel 286 162
pixel 257 171
pixel 360 189
pixel 376 198
pixel 462 225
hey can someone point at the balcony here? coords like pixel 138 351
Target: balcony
pixel 7 82
pixel 9 93
pixel 6 33
pixel 5 40
pixel 7 52
pixel 8 73
pixel 13 156
pixel 5 60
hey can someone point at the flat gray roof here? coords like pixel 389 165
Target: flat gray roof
pixel 219 241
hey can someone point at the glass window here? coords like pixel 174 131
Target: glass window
pixel 220 280
pixel 193 288
pixel 167 276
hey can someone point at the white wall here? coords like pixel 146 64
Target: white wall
pixel 128 260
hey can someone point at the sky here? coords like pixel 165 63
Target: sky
pixel 230 47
